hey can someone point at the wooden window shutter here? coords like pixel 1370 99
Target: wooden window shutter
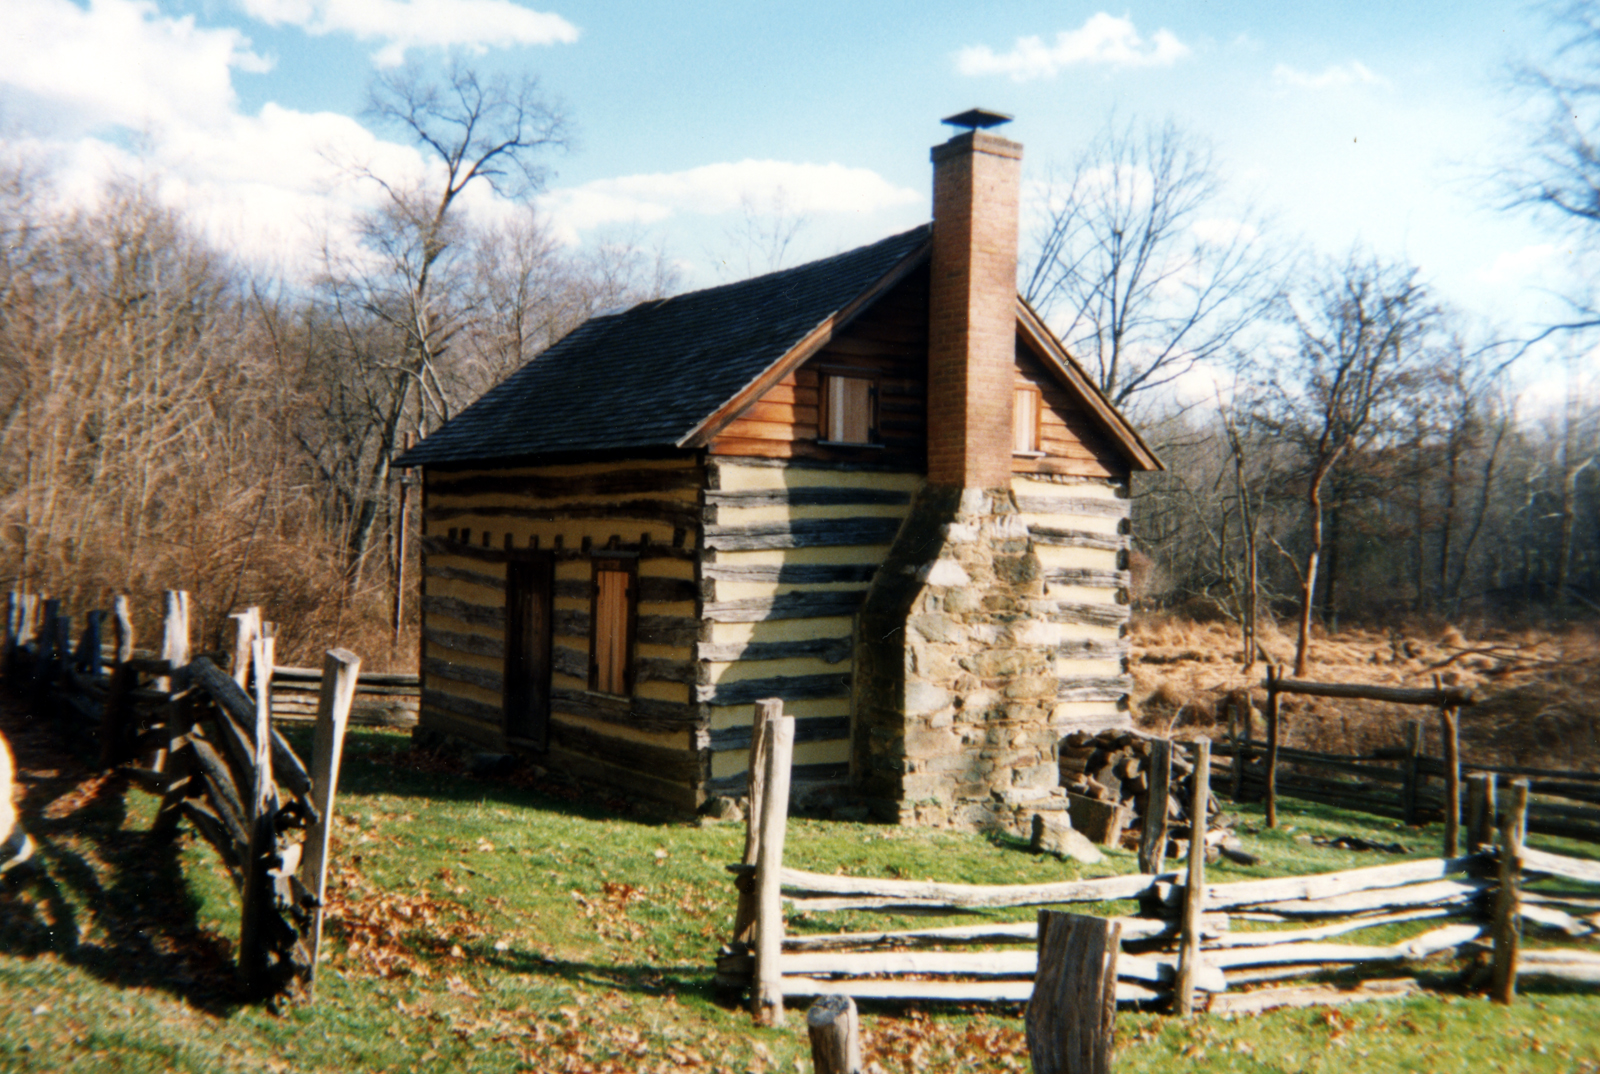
pixel 848 403
pixel 1025 422
pixel 612 626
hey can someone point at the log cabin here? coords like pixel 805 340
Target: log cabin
pixel 875 486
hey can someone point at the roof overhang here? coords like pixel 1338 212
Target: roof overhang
pixel 819 337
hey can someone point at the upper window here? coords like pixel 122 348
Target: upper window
pixel 611 622
pixel 1025 422
pixel 847 409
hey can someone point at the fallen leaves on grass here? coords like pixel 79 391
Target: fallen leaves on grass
pixel 920 1043
pixel 388 933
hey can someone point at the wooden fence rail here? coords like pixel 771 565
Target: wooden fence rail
pixel 1179 940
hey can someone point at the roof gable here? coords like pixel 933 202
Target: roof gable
pixel 655 376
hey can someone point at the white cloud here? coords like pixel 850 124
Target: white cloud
pixel 408 24
pixel 711 189
pixel 1103 40
pixel 1333 76
pixel 1515 266
pixel 122 62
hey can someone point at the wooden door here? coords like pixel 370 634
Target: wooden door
pixel 529 585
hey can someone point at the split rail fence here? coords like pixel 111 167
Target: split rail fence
pixel 1394 782
pixel 202 738
pixel 1178 948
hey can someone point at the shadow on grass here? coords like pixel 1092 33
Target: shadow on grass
pixel 97 895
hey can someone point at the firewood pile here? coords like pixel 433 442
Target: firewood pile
pixel 1113 767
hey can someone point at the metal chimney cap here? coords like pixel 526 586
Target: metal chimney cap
pixel 976 119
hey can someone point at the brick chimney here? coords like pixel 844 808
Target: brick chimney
pixel 972 328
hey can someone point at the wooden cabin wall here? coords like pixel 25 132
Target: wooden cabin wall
pixel 790 550
pixel 1078 528
pixel 1071 443
pixel 649 744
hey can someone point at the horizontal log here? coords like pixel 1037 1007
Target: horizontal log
pixel 1086 576
pixel 1419 947
pixel 489 615
pixel 806 496
pixel 1070 538
pixel 1093 649
pixel 787 687
pixel 664 669
pixel 828 772
pixel 790 573
pixel 1085 614
pixel 565 661
pixel 802 533
pixel 658 762
pixel 212 829
pixel 639 713
pixel 1322 932
pixel 1327 885
pixel 1568 868
pixel 1001 991
pixel 444 546
pixel 1267 999
pixel 1434 893
pixel 476 644
pixel 801 605
pixel 828 650
pixel 672 630
pixel 678 514
pixel 466 707
pixel 432 568
pixel 482 678
pixel 1094 688
pixel 1134 930
pixel 620 482
pixel 1400 695
pixel 1089 506
pixel 809 729
pixel 368 678
pixel 968 896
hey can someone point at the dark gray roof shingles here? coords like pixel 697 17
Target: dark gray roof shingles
pixel 644 378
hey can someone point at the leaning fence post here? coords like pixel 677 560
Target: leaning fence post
pixel 835 1031
pixel 1480 811
pixel 1449 730
pixel 1071 1018
pixel 766 997
pixel 1411 773
pixel 246 625
pixel 1194 891
pixel 744 918
pixel 1153 840
pixel 1507 903
pixel 1272 746
pixel 340 669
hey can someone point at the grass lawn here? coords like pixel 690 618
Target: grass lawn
pixel 476 925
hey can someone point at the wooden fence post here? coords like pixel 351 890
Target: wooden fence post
pixel 257 889
pixel 1071 1018
pixel 1411 774
pixel 744 918
pixel 1449 730
pixel 835 1030
pixel 1507 903
pixel 123 628
pixel 174 634
pixel 1272 746
pixel 1245 711
pixel 766 997
pixel 1194 893
pixel 89 658
pixel 1480 811
pixel 246 625
pixel 340 670
pixel 1153 840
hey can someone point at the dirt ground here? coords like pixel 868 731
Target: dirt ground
pixel 1538 691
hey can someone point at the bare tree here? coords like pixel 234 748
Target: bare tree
pixel 495 132
pixel 1359 332
pixel 1143 265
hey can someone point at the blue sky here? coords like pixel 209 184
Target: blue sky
pixel 1354 122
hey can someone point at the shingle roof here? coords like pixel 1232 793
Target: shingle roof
pixel 644 378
